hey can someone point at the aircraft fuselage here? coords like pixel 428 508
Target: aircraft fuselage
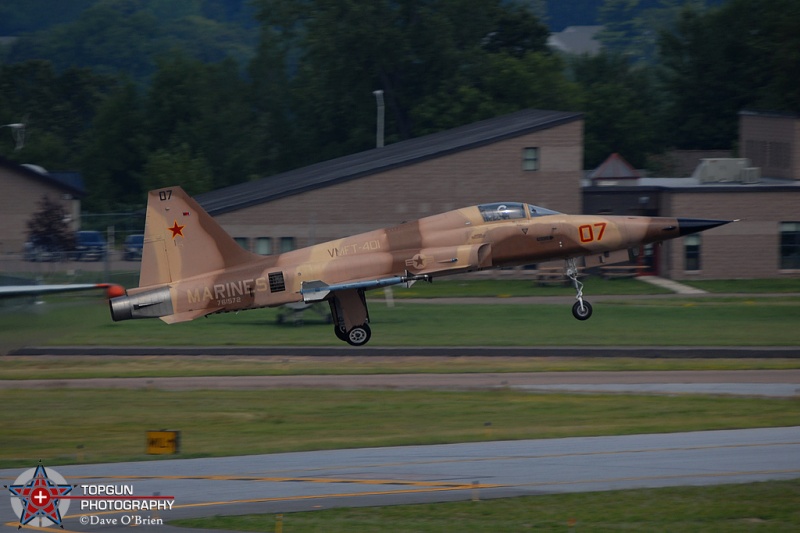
pixel 474 238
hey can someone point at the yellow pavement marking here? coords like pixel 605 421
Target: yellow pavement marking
pixel 295 479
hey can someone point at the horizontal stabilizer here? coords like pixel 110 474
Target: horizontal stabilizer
pixel 35 290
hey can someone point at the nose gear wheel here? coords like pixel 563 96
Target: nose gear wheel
pixel 582 309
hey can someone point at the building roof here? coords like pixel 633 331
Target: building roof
pixel 70 182
pixel 377 160
pixel 695 185
pixel 614 167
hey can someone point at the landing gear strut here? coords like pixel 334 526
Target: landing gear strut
pixel 582 310
pixel 350 317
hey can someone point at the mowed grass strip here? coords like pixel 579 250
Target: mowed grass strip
pixel 62 426
pixel 746 321
pixel 87 367
pixel 748 507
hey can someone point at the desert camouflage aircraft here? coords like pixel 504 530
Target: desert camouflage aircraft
pixel 192 268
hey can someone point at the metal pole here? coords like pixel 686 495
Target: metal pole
pixel 379 134
pixel 109 248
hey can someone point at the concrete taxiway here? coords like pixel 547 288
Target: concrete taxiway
pixel 287 482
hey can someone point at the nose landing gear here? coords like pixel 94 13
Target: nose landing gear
pixel 582 309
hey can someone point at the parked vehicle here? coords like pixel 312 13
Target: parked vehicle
pixel 89 245
pixel 133 247
pixel 38 250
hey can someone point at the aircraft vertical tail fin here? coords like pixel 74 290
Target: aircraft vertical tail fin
pixel 181 240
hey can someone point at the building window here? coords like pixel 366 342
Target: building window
pixel 287 244
pixel 691 252
pixel 243 242
pixel 790 245
pixel 264 245
pixel 530 159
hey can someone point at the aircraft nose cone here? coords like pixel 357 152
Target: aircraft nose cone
pixel 694 225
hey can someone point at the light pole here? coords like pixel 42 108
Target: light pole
pixel 379 134
pixel 18 131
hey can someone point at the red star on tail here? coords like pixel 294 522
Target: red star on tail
pixel 176 229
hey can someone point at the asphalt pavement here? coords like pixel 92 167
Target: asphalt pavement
pixel 306 481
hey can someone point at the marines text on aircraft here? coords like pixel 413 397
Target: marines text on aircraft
pixel 192 268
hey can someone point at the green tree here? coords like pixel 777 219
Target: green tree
pixel 208 108
pixel 49 227
pixel 621 106
pixel 437 63
pixel 115 153
pixel 126 36
pixel 59 108
pixel 745 54
pixel 178 166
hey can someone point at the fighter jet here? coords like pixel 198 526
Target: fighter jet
pixel 192 268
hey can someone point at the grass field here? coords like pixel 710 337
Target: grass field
pixel 734 321
pixel 87 367
pixel 744 508
pixel 110 425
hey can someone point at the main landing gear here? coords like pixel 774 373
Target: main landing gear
pixel 350 317
pixel 582 309
pixel 357 336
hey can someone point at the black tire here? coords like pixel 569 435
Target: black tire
pixel 359 335
pixel 341 335
pixel 582 313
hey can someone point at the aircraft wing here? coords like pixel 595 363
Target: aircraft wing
pixel 10 291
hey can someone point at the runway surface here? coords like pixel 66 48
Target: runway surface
pixel 289 482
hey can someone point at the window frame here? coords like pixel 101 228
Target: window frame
pixel 531 159
pixel 789 245
pixel 692 253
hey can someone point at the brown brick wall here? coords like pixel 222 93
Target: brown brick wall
pixel 771 143
pixel 745 249
pixel 488 173
pixel 19 199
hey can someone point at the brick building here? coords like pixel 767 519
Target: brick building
pixel 764 195
pixel 534 156
pixel 530 156
pixel 771 141
pixel 23 187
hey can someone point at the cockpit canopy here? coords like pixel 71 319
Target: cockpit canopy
pixel 512 211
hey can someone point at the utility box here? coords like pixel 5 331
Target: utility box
pixel 163 442
pixel 727 170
